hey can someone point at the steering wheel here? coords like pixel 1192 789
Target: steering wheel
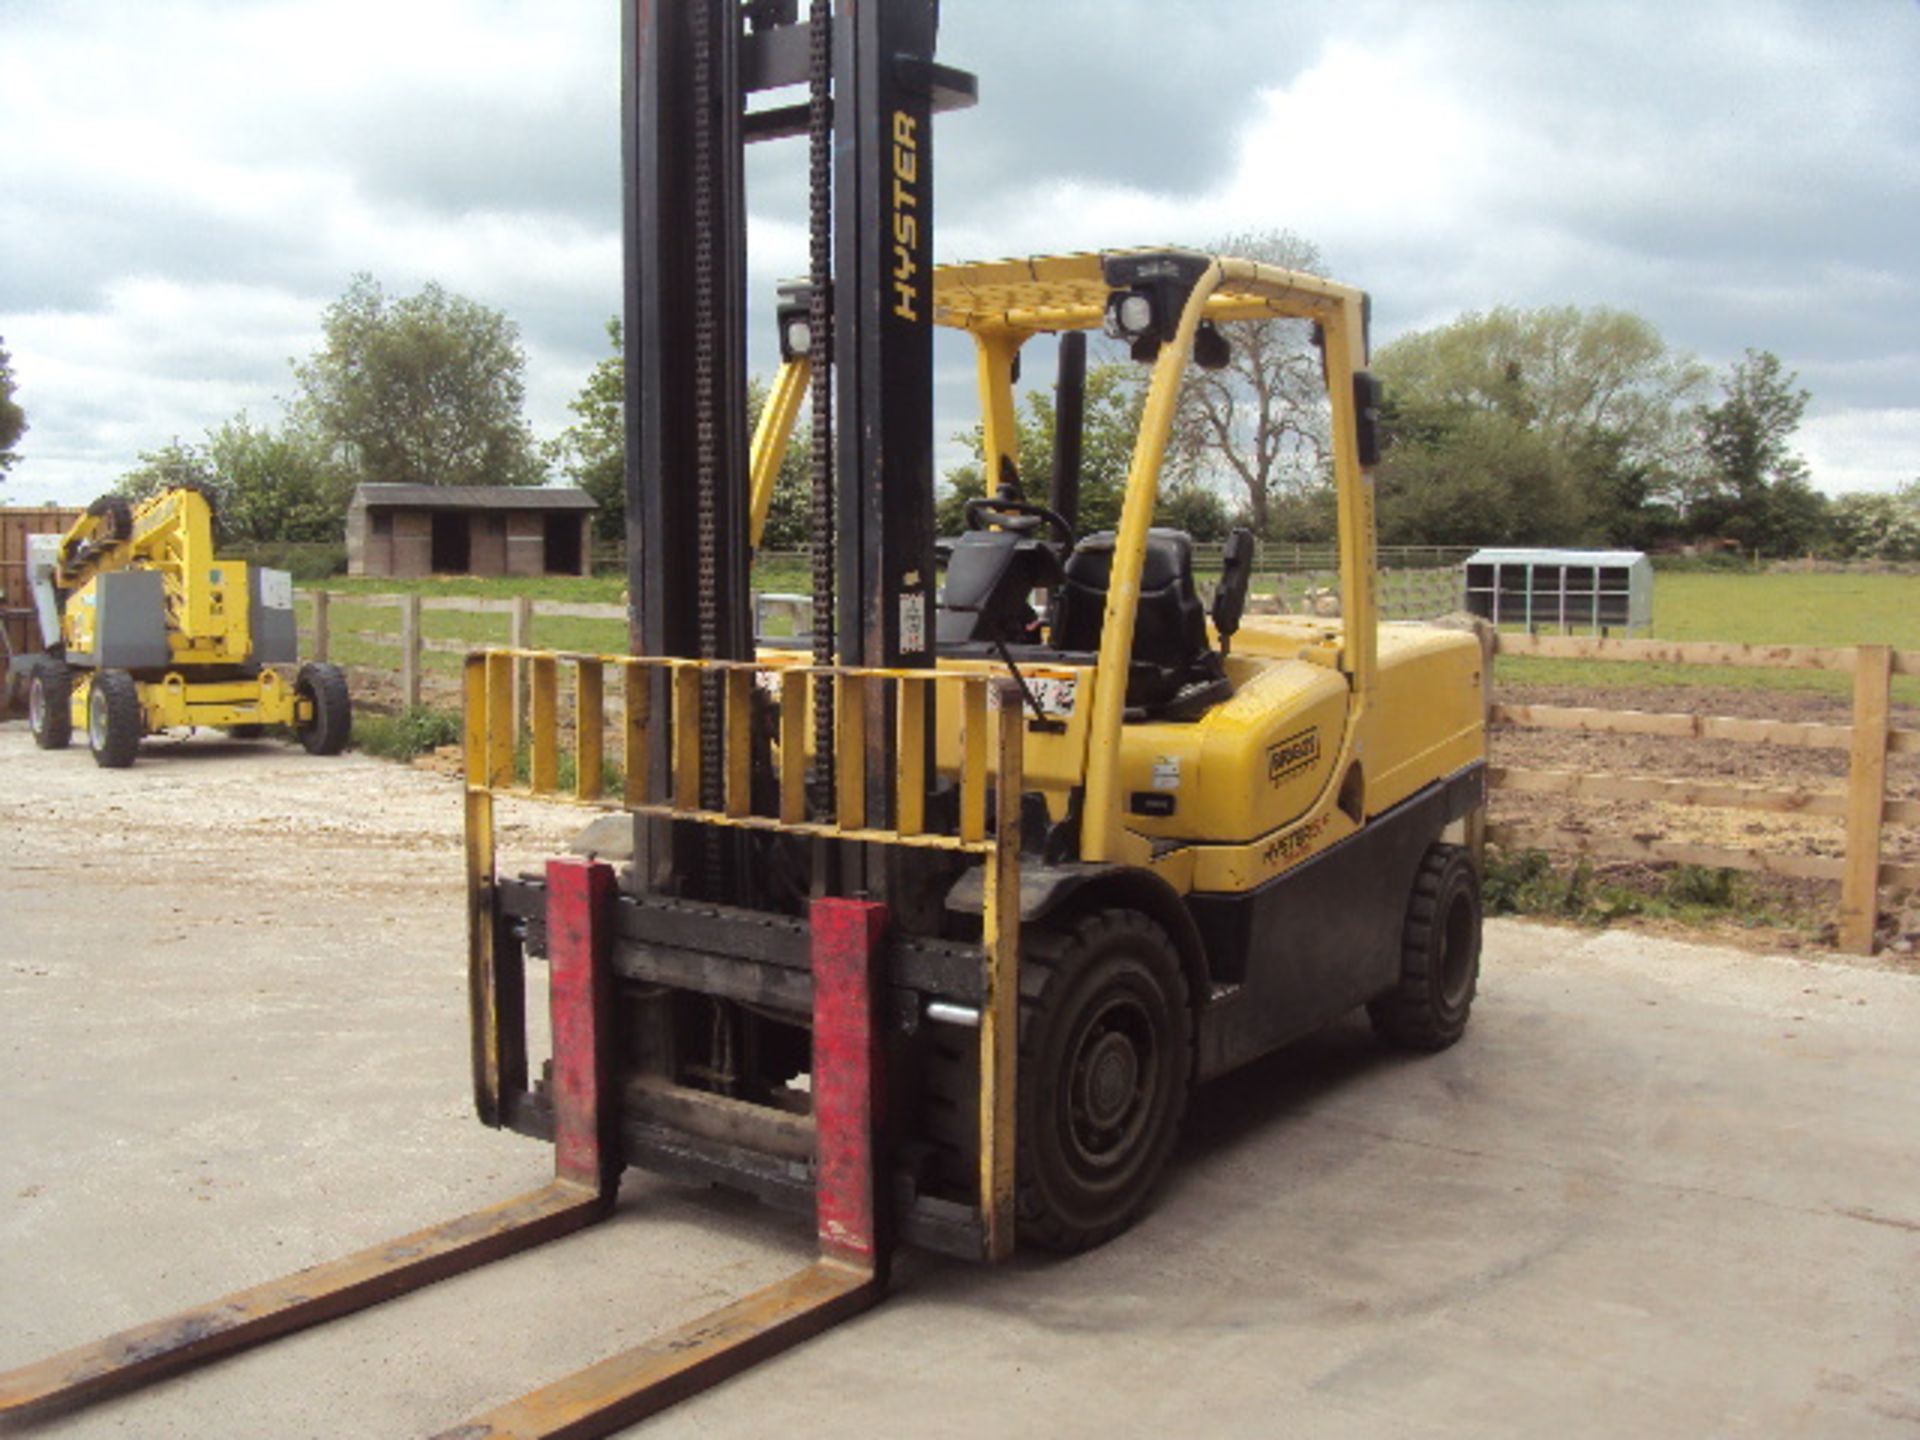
pixel 1019 516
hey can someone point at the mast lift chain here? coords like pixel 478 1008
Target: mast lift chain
pixel 820 363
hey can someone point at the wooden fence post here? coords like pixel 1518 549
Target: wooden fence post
pixel 410 650
pixel 1866 797
pixel 322 625
pixel 520 637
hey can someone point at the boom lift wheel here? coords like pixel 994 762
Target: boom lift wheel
pixel 324 687
pixel 1439 955
pixel 1106 1050
pixel 50 705
pixel 114 723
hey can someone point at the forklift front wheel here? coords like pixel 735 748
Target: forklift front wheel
pixel 330 718
pixel 113 719
pixel 50 705
pixel 1439 955
pixel 1105 1054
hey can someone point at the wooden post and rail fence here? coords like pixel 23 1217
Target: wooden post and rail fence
pixel 1862 805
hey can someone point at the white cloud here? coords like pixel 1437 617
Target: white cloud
pixel 189 185
pixel 1862 449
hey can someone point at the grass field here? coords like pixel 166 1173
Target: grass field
pixel 1767 609
pixel 1755 609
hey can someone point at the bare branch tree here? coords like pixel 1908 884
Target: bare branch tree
pixel 1259 426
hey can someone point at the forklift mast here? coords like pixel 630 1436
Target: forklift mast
pixel 692 70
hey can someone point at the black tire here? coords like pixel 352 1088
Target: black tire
pixel 118 511
pixel 50 705
pixel 114 722
pixel 325 687
pixel 1106 1053
pixel 1439 955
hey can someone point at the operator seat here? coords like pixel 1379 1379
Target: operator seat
pixel 989 575
pixel 1175 675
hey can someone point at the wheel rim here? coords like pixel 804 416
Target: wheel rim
pixel 1111 1085
pixel 97 720
pixel 1457 949
pixel 36 707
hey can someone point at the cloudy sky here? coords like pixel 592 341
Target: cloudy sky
pixel 188 185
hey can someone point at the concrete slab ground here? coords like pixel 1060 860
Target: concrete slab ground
pixel 1659 1190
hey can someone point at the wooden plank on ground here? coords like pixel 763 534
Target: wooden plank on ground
pixel 1804 734
pixel 1678 652
pixel 1642 847
pixel 579 610
pixel 1718 794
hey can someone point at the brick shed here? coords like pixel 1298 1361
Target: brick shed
pixel 409 530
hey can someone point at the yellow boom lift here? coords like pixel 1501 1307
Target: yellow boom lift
pixel 928 925
pixel 156 631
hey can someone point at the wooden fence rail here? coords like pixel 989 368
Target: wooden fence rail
pixel 1863 805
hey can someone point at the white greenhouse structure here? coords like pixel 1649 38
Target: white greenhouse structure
pixel 1601 591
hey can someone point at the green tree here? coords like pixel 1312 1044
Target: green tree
pixel 1259 425
pixel 1545 426
pixel 1192 506
pixel 1755 488
pixel 275 485
pixel 426 390
pixel 264 485
pixel 13 420
pixel 1115 395
pixel 173 464
pixel 1878 526
pixel 592 452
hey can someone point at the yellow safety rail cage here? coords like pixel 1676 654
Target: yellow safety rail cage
pixel 575 704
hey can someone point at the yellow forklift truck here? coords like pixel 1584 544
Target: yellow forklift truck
pixel 925 925
pixel 156 631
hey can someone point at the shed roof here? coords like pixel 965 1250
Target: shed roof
pixel 1523 555
pixel 471 497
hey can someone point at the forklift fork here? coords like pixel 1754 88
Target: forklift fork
pixel 849 1275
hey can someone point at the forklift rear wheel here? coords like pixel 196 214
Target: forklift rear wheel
pixel 324 686
pixel 113 719
pixel 1439 955
pixel 50 705
pixel 1105 1053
